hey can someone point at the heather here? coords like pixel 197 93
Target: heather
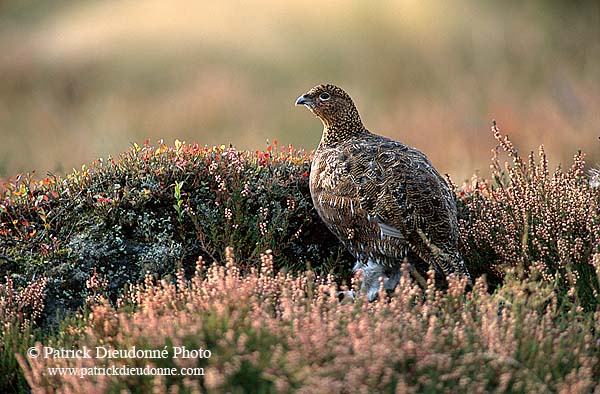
pixel 139 251
pixel 274 332
pixel 543 224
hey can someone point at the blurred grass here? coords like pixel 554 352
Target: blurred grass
pixel 83 79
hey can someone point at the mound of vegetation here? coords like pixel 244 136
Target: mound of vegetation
pixel 124 242
pixel 157 209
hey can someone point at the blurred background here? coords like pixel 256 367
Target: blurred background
pixel 83 79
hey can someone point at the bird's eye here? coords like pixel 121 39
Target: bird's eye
pixel 324 96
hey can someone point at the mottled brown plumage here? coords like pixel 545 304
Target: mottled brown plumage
pixel 384 200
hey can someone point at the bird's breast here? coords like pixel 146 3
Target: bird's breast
pixel 329 171
pixel 331 189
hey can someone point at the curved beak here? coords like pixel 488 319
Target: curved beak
pixel 303 100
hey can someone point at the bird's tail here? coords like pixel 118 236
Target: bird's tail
pixel 449 263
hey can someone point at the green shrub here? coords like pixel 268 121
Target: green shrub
pixel 156 209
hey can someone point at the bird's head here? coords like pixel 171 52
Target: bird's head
pixel 335 108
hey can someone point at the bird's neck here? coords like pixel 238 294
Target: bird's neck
pixel 342 130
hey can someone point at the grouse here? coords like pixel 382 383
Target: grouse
pixel 383 199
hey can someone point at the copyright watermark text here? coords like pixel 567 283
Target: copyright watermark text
pixel 106 352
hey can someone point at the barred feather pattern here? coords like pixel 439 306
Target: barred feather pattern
pixel 384 200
